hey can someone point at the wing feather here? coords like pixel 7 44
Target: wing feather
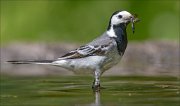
pixel 84 51
pixel 100 46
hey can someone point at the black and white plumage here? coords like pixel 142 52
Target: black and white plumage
pixel 98 55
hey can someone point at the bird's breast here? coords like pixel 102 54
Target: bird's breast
pixel 112 59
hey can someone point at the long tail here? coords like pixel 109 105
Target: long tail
pixel 31 61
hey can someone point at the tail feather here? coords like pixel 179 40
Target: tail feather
pixel 30 61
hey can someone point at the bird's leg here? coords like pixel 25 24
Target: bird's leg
pixel 96 83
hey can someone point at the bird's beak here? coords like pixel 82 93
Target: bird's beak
pixel 133 20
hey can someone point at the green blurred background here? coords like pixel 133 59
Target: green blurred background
pixel 81 21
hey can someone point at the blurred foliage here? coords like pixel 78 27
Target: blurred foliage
pixel 81 21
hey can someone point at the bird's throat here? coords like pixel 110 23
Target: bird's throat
pixel 118 32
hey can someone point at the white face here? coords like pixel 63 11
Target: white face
pixel 121 17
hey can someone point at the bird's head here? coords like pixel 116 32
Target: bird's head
pixel 123 17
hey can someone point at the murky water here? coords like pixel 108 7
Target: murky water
pixel 76 91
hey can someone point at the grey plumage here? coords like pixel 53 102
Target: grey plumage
pixel 99 55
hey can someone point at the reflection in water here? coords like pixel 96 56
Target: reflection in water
pixel 73 91
pixel 97 99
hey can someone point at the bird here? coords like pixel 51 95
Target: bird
pixel 100 54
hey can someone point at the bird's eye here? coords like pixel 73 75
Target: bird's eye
pixel 119 16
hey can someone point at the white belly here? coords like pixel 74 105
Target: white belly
pixel 82 65
pixel 91 63
pixel 111 61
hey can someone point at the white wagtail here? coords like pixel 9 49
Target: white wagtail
pixel 99 55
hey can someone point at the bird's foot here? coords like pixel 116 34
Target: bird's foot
pixel 96 88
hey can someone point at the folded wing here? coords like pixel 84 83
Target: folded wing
pixel 87 50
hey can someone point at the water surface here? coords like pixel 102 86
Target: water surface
pixel 76 91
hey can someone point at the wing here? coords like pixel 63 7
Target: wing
pixel 100 46
pixel 87 50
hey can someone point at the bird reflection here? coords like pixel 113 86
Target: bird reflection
pixel 97 99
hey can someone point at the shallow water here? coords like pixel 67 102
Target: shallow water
pixel 76 91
